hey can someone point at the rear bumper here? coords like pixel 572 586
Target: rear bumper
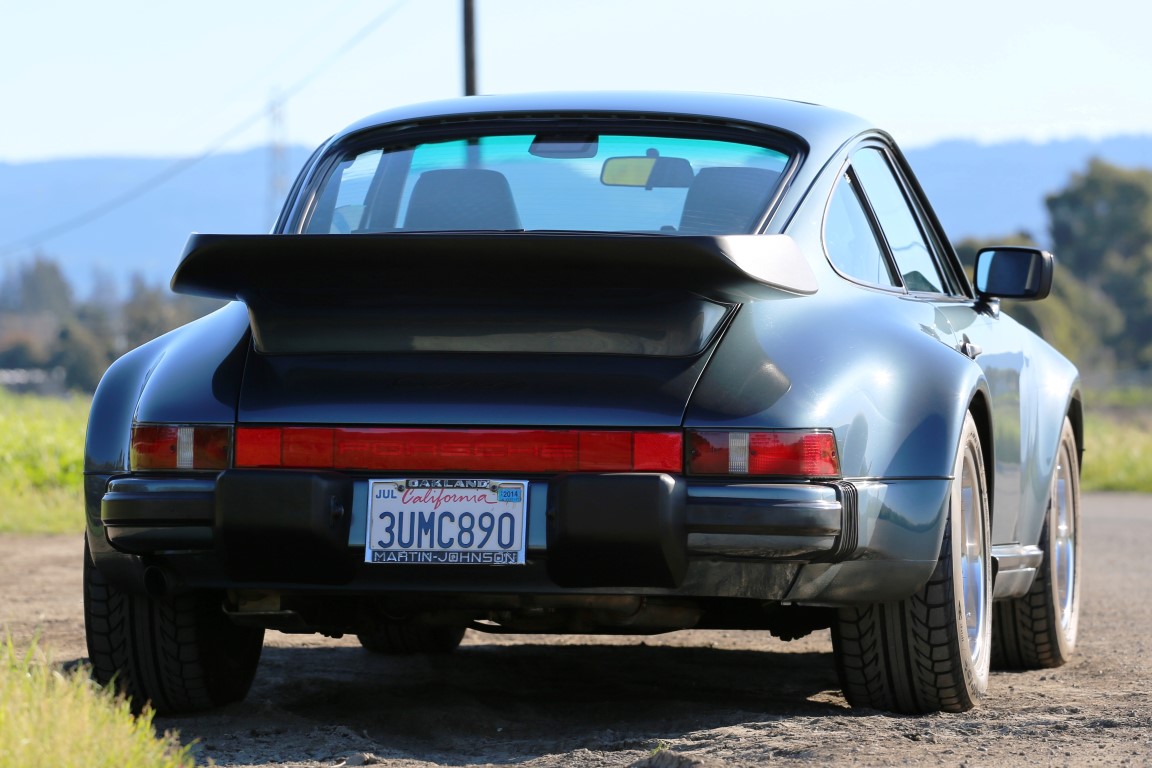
pixel 814 543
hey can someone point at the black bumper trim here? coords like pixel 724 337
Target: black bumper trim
pixel 142 515
pixel 849 521
pixel 612 530
pixel 788 518
pixel 144 540
pixel 160 501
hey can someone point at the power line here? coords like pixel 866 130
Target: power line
pixel 348 45
pixel 102 210
pixel 177 168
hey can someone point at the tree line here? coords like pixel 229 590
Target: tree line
pixel 1099 313
pixel 44 326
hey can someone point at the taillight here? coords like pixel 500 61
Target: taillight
pixel 459 450
pixel 170 446
pixel 782 453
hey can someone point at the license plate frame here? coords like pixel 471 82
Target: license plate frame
pixel 446 521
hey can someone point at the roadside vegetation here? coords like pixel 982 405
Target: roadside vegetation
pixel 64 720
pixel 41 463
pixel 1118 441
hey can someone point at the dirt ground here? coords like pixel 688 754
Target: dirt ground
pixel 682 699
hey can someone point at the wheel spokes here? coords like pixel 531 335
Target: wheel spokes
pixel 972 560
pixel 1063 543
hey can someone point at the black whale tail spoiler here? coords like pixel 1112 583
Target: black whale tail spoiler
pixel 513 292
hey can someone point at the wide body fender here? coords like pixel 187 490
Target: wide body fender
pixel 895 395
pixel 191 375
pixel 1033 387
pixel 897 408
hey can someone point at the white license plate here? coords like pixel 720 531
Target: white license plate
pixel 446 521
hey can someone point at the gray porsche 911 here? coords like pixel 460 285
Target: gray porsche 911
pixel 594 363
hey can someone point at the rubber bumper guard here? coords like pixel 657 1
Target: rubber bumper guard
pixel 285 526
pixel 618 530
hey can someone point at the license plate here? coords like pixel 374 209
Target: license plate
pixel 446 521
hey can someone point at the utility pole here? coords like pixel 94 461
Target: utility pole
pixel 469 49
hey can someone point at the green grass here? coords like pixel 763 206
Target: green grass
pixel 41 463
pixel 64 720
pixel 1120 398
pixel 1118 451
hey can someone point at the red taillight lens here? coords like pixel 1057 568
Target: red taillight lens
pixel 308 447
pixel 658 452
pixel 172 446
pixel 258 447
pixel 784 453
pixel 459 450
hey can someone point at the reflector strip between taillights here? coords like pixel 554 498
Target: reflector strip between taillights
pixel 466 450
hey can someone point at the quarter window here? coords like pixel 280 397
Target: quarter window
pixel 851 240
pixel 898 222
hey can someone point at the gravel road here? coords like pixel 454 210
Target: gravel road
pixel 683 699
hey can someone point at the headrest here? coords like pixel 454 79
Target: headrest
pixel 452 199
pixel 727 201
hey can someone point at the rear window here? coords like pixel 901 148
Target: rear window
pixel 559 182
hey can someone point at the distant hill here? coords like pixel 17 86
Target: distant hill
pixel 978 190
pixel 987 190
pixel 227 193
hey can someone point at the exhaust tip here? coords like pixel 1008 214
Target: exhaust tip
pixel 157 582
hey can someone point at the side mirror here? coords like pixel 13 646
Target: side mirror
pixel 1014 272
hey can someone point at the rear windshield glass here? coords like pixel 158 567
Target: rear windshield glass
pixel 541 182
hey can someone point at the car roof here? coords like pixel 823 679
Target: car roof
pixel 822 128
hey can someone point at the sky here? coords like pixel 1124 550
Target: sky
pixel 167 79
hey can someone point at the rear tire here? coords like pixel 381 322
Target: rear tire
pixel 393 637
pixel 1038 630
pixel 178 653
pixel 930 652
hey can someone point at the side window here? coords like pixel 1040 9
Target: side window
pixel 901 229
pixel 851 240
pixel 341 209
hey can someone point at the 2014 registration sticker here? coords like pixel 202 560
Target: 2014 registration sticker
pixel 446 521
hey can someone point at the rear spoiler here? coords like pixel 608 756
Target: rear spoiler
pixel 381 266
pixel 490 292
